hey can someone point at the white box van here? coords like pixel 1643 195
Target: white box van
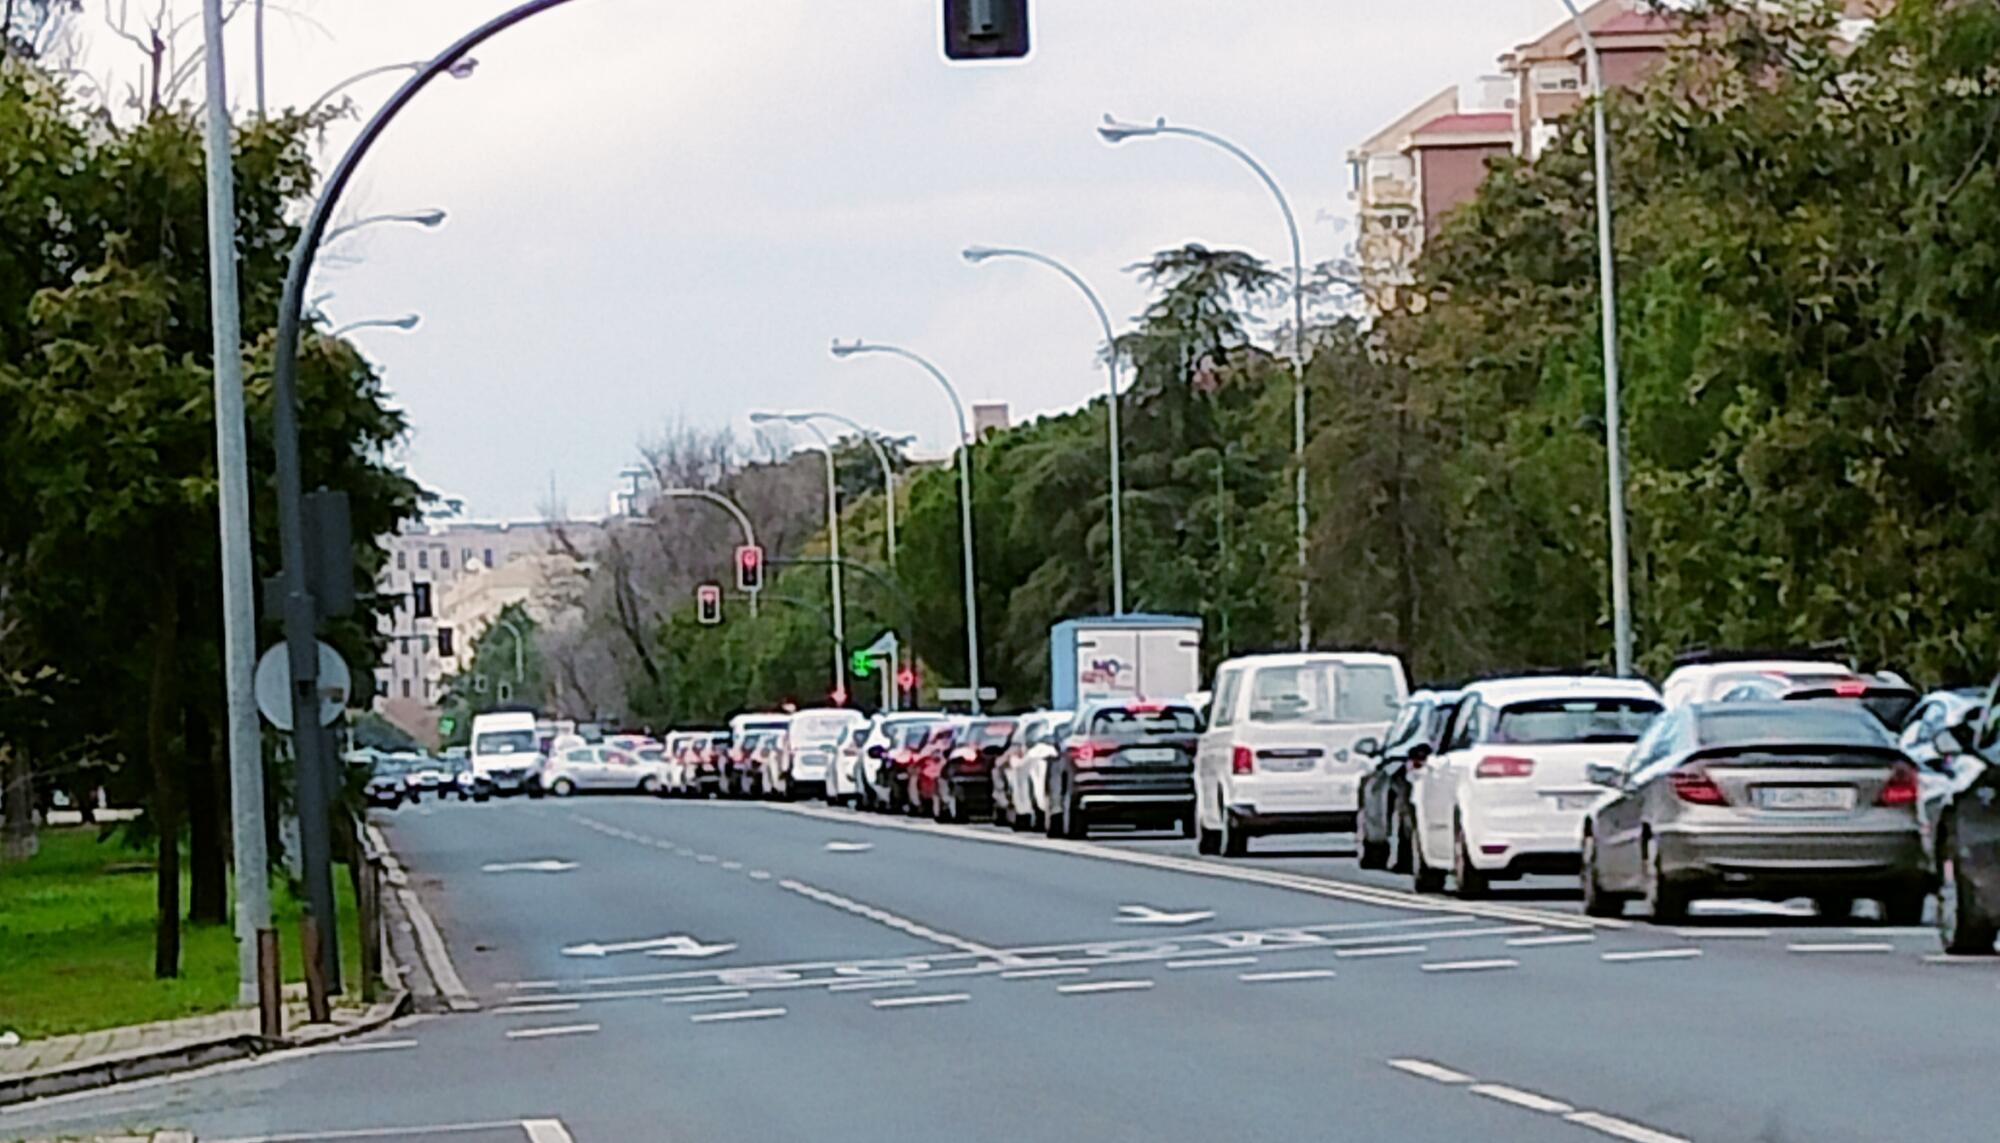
pixel 506 758
pixel 1278 755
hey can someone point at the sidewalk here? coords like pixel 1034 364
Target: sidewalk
pixel 58 1051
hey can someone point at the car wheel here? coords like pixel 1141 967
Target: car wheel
pixel 1206 841
pixel 562 787
pixel 1076 826
pixel 649 786
pixel 1904 907
pixel 1374 854
pixel 1400 829
pixel 1963 926
pixel 1667 900
pixel 1424 877
pixel 1187 823
pixel 1834 906
pixel 1235 839
pixel 1597 901
pixel 1466 879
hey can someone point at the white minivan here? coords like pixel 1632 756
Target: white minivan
pixel 1278 755
pixel 506 757
pixel 805 766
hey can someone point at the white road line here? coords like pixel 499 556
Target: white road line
pixel 1519 1098
pixel 705 997
pixel 706 858
pixel 1104 986
pixel 736 1014
pixel 383 1132
pixel 1470 965
pixel 373 1046
pixel 1722 934
pixel 1281 977
pixel 1039 973
pixel 732 866
pixel 760 875
pixel 1209 962
pixel 1620 1128
pixel 534 1009
pixel 1381 950
pixel 1837 947
pixel 1949 958
pixel 869 985
pixel 526 985
pixel 1650 954
pixel 546 1131
pixel 554 1030
pixel 1552 939
pixel 921 1001
pixel 1430 1071
pixel 884 917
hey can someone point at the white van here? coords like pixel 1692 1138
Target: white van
pixel 506 758
pixel 805 766
pixel 1278 755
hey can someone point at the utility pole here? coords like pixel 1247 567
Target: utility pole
pixel 255 948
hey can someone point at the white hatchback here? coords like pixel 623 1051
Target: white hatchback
pixel 1507 792
pixel 1278 755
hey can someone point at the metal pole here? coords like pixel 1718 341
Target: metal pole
pixel 964 500
pixel 239 600
pixel 742 520
pixel 520 672
pixel 980 254
pixel 888 474
pixel 1607 284
pixel 839 692
pixel 260 58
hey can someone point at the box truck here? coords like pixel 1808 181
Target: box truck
pixel 1122 657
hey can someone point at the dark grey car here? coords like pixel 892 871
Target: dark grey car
pixel 1769 800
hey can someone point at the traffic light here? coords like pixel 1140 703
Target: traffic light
pixel 906 679
pixel 860 664
pixel 985 29
pixel 708 604
pixel 446 725
pixel 750 567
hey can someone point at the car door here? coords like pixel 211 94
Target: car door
pixel 1389 758
pixel 1437 782
pixel 1620 819
pixel 1211 759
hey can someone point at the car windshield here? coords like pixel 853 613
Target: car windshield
pixel 819 729
pixel 1325 692
pixel 1553 721
pixel 504 742
pixel 1145 720
pixel 1820 723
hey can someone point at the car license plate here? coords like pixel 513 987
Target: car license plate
pixel 1575 801
pixel 1286 763
pixel 1805 797
pixel 1151 754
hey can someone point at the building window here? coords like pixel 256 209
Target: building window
pixel 423 644
pixel 420 600
pixel 1556 78
pixel 423 557
pixel 402 560
pixel 489 558
pixel 427 688
pixel 406 688
pixel 444 558
pixel 402 644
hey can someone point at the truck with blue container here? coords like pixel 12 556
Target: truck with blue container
pixel 1123 657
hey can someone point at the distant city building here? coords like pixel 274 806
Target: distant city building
pixel 988 417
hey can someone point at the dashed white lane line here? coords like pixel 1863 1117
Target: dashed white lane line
pixel 1040 973
pixel 546 1131
pixel 1285 976
pixel 732 866
pixel 1650 954
pixel 1840 947
pixel 1722 934
pixel 535 1009
pixel 529 985
pixel 1552 939
pixel 1470 965
pixel 869 985
pixel 736 1014
pixel 1382 950
pixel 1212 962
pixel 1519 1098
pixel 1894 931
pixel 371 1046
pixel 922 1001
pixel 1430 1071
pixel 1104 986
pixel 1621 1128
pixel 760 875
pixel 901 924
pixel 705 997
pixel 706 858
pixel 552 1030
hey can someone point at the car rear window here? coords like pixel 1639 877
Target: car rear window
pixel 1890 706
pixel 1777 724
pixel 1324 693
pixel 819 729
pixel 1547 722
pixel 1145 720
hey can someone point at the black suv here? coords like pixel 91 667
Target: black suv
pixel 1127 761
pixel 1962 829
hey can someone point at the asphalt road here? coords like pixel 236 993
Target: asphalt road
pixel 829 976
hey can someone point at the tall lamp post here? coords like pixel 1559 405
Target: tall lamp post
pixel 1607 286
pixel 874 440
pixel 839 693
pixel 406 322
pixel 978 254
pixel 428 219
pixel 1116 132
pixel 457 69
pixel 964 497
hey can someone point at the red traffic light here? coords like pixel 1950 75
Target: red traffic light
pixel 708 603
pixel 750 567
pixel 907 678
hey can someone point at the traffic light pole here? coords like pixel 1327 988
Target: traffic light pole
pixel 730 506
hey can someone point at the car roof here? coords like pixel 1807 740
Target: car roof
pixel 1757 667
pixel 1301 658
pixel 1440 696
pixel 1511 690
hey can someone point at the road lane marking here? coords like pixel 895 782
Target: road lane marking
pixel 526 985
pixel 535 1009
pixel 1430 1071
pixel 1722 934
pixel 1147 915
pixel 1104 986
pixel 849 846
pixel 1650 954
pixel 546 1131
pixel 1470 965
pixel 760 875
pixel 884 917
pixel 732 866
pixel 372 1046
pixel 736 1014
pixel 1039 973
pixel 922 1001
pixel 1211 962
pixel 1552 939
pixel 1288 975
pixel 384 1132
pixel 1381 950
pixel 1952 958
pixel 1620 1128
pixel 1519 1098
pixel 706 858
pixel 706 997
pixel 546 865
pixel 867 985
pixel 430 943
pixel 553 1030
pixel 1838 947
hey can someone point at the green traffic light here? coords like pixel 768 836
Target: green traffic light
pixel 860 662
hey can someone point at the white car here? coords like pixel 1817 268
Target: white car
pixel 806 758
pixel 1279 753
pixel 1021 776
pixel 1507 792
pixel 887 749
pixel 842 784
pixel 585 767
pixel 1709 681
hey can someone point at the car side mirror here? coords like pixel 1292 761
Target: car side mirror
pixel 1598 774
pixel 878 752
pixel 1420 754
pixel 1368 747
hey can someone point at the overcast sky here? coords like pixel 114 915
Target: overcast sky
pixel 668 208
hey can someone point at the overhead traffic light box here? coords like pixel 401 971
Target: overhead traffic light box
pixel 985 29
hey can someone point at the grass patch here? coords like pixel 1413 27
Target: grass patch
pixel 76 941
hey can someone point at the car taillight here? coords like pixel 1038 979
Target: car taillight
pixel 1504 766
pixel 1901 788
pixel 1694 785
pixel 1241 761
pixel 1850 688
pixel 1087 752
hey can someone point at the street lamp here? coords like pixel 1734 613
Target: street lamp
pixel 406 322
pixel 833 544
pixel 1115 132
pixel 874 440
pixel 728 505
pixel 964 497
pixel 458 69
pixel 428 219
pixel 1607 285
pixel 978 254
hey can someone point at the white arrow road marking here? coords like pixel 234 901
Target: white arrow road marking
pixel 849 846
pixel 676 942
pixel 545 1131
pixel 689 947
pixel 546 865
pixel 1147 915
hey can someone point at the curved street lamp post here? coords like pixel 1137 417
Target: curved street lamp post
pixel 728 505
pixel 839 693
pixel 874 440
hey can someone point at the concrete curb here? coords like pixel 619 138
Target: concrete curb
pixel 108 1071
pixel 430 942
